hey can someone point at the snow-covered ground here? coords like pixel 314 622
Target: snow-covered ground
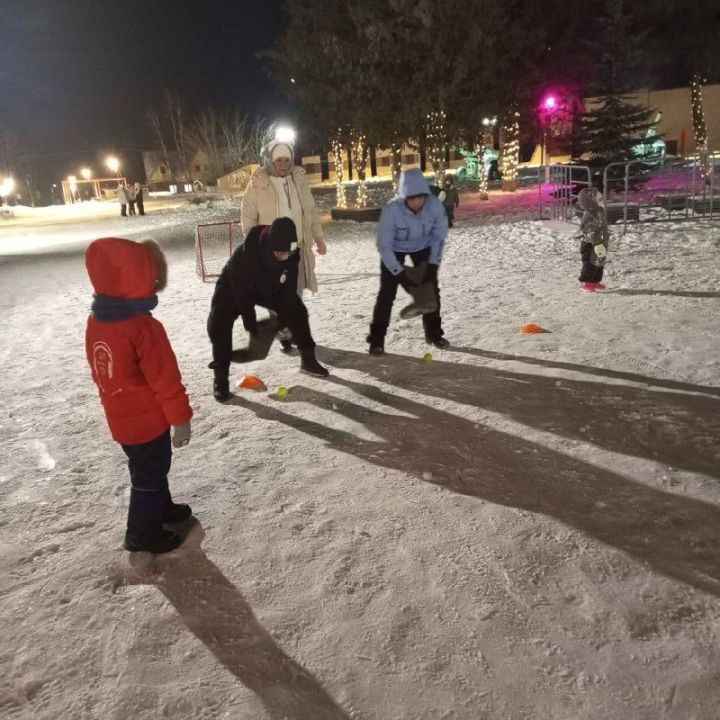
pixel 527 527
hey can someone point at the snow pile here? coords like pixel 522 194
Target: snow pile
pixel 526 527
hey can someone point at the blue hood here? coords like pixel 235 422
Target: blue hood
pixel 412 183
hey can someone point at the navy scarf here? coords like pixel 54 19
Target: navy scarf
pixel 106 308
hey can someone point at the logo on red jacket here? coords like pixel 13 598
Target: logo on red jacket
pixel 102 363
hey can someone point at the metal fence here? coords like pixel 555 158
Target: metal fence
pixel 635 192
pixel 558 194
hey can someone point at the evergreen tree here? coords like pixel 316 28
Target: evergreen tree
pixel 610 129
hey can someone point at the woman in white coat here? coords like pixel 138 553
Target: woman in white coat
pixel 280 189
pixel 122 198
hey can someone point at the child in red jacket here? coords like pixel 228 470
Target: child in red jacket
pixel 140 386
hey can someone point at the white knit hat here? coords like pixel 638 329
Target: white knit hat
pixel 281 150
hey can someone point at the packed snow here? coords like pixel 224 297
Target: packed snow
pixel 525 528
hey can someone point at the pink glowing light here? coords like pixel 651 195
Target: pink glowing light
pixel 550 103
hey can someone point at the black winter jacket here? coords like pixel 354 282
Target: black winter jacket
pixel 252 276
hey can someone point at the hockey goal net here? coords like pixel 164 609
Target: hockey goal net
pixel 214 244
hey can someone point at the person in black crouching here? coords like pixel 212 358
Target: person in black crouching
pixel 262 271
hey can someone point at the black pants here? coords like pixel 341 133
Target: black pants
pixel 291 312
pixel 123 210
pixel 149 466
pixel 140 204
pixel 450 212
pixel 589 272
pixel 131 206
pixel 386 297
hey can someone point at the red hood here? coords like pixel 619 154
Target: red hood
pixel 121 268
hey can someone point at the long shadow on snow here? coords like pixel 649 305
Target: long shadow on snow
pixel 667 293
pixel 681 430
pixel 216 612
pixel 589 370
pixel 675 535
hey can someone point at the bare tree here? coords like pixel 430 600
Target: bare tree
pixel 205 133
pixel 11 153
pixel 242 139
pixel 176 122
pixel 229 140
pixel 156 122
pixel 169 126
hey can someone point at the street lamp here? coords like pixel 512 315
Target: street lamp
pixel 7 186
pixel 285 134
pixel 86 173
pixel 548 108
pixel 114 164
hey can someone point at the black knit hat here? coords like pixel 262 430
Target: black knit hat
pixel 282 236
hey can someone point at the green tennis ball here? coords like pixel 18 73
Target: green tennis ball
pixel 427 357
pixel 282 392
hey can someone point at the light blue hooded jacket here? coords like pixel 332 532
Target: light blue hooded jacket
pixel 401 230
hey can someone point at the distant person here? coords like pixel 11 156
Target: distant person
pixel 139 199
pixel 450 198
pixel 262 271
pixel 140 387
pixel 494 173
pixel 122 198
pixel 131 199
pixel 414 223
pixel 594 240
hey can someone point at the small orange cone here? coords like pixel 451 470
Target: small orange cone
pixel 531 329
pixel 250 382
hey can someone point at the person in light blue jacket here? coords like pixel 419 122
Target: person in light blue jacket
pixel 415 224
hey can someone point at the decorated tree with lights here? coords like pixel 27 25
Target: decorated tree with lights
pixel 359 150
pixel 699 126
pixel 436 143
pixel 511 148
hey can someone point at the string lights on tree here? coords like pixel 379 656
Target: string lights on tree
pixel 699 126
pixel 359 157
pixel 337 150
pixel 396 165
pixel 436 144
pixel 511 149
pixel 482 145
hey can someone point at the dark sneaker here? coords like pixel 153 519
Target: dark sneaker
pixel 165 541
pixel 311 366
pixel 439 342
pixel 288 348
pixel 221 390
pixel 377 346
pixel 177 513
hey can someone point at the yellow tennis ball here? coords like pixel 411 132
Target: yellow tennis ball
pixel 282 392
pixel 427 357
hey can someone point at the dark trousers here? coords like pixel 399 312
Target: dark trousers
pixel 123 210
pixel 589 272
pixel 149 465
pixel 131 206
pixel 386 297
pixel 450 212
pixel 291 312
pixel 140 204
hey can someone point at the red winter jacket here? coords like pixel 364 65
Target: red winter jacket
pixel 131 360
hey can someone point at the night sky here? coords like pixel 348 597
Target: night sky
pixel 77 77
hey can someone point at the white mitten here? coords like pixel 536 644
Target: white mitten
pixel 181 435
